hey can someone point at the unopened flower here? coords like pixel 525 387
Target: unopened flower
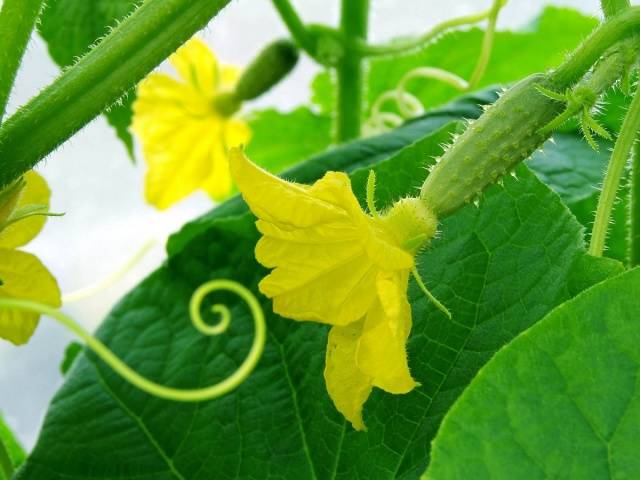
pixel 335 264
pixel 185 128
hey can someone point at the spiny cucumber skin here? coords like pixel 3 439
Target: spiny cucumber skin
pixel 506 134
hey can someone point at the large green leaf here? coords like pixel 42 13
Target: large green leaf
pixel 515 55
pixel 575 171
pixel 499 268
pixel 560 401
pixel 71 27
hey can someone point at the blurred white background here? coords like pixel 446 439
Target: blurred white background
pixel 106 218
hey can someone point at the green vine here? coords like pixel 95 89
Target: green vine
pixel 294 24
pixel 17 19
pixel 619 157
pixel 398 47
pixel 155 389
pixel 587 54
pixel 350 70
pixel 82 92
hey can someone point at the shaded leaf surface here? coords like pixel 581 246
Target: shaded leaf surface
pixel 576 172
pixel 499 269
pixel 572 378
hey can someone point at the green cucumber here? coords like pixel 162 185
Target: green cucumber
pixel 270 66
pixel 507 133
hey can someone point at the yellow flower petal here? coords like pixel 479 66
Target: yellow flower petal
pixel 348 387
pixel 184 140
pixel 181 164
pixel 325 250
pixel 229 76
pixel 382 349
pixel 197 66
pixel 24 277
pixel 236 133
pixel 35 192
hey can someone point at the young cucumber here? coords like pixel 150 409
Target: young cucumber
pixel 507 133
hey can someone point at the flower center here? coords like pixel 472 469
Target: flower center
pixel 413 224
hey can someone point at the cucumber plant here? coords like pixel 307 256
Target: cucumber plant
pixel 502 275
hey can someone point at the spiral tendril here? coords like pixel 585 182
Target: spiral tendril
pixel 408 105
pixel 168 393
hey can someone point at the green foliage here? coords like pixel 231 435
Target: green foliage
pixel 70 27
pixel 561 401
pixel 499 269
pixel 13 448
pixel 575 171
pixel 559 30
pixel 280 140
pixel 70 354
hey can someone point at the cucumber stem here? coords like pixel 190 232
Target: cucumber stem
pixel 609 33
pixel 294 24
pixel 354 24
pixel 619 157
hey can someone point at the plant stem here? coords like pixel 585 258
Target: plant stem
pixel 365 49
pixel 17 19
pixel 487 45
pixel 6 465
pixel 83 91
pixel 149 386
pixel 295 25
pixel 634 210
pixel 619 158
pixel 607 34
pixel 611 7
pixel 354 23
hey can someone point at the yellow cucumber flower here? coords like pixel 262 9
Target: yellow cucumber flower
pixel 185 138
pixel 335 264
pixel 22 275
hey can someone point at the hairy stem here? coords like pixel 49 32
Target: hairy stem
pixel 295 25
pixel 634 210
pixel 354 24
pixel 611 7
pixel 619 158
pixel 17 19
pixel 620 26
pixel 487 45
pixel 82 92
pixel 366 49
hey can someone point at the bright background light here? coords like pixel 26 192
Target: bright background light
pixel 106 219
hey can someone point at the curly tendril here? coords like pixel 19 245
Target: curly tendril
pixel 408 105
pixel 195 306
